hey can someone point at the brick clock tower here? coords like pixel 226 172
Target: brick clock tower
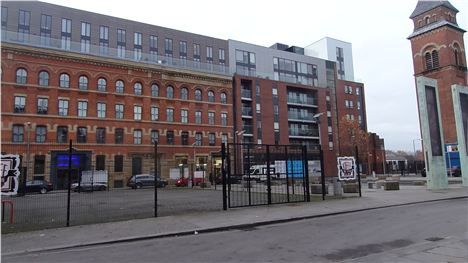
pixel 439 53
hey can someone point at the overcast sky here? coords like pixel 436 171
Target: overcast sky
pixel 377 30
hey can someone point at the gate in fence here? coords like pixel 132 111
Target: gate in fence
pixel 258 174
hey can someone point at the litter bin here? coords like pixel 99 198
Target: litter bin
pixel 337 188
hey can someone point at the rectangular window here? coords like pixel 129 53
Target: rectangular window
pixel 81 134
pixel 153 47
pixel 212 139
pixel 183 49
pixel 42 105
pixel 198 139
pixel 119 136
pixel 184 116
pixel 63 107
pixel 211 118
pixel 39 164
pixel 66 34
pixel 62 134
pixel 222 59
pixel 20 104
pixel 24 20
pixel 154 113
pixel 168 47
pixel 137 112
pixel 18 133
pixel 46 29
pixel 41 132
pixel 4 19
pixel 198 117
pixel 224 119
pixel 137 46
pixel 121 43
pixel 101 135
pixel 104 40
pixel 184 138
pixel 170 115
pixel 100 162
pixel 118 163
pixel 119 111
pixel 170 137
pixel 196 52
pixel 85 37
pixel 154 136
pixel 101 110
pixel 209 54
pixel 82 108
pixel 137 134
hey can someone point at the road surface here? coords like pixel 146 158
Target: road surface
pixel 325 239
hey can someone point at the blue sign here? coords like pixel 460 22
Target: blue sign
pixel 62 160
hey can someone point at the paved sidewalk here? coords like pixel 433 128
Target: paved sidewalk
pixel 74 236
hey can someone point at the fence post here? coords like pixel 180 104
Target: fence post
pixel 155 178
pixel 287 171
pixel 70 152
pixel 268 174
pixel 322 172
pixel 358 171
pixel 305 161
pixel 223 174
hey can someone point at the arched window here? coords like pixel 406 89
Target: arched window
pixel 428 58
pixel 102 84
pixel 211 96
pixel 21 76
pixel 184 94
pixel 198 95
pixel 435 59
pixel 223 98
pixel 43 78
pixel 456 57
pixel 138 88
pixel 154 90
pixel 83 83
pixel 426 20
pixel 170 92
pixel 119 86
pixel 64 80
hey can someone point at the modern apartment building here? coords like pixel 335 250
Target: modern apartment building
pixel 115 86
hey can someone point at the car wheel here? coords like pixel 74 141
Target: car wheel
pixel 102 188
pixel 43 191
pixel 138 185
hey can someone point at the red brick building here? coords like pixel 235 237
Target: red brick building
pixel 439 53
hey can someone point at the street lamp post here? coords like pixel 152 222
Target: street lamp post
pixel 190 183
pixel 28 142
pixel 238 133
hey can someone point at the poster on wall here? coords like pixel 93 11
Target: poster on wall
pixel 10 173
pixel 346 168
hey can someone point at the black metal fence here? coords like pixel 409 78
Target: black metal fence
pixel 267 174
pixel 76 199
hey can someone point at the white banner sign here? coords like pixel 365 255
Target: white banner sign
pixel 346 168
pixel 10 173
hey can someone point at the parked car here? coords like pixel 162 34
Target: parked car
pixel 181 182
pixel 142 180
pixel 97 186
pixel 38 186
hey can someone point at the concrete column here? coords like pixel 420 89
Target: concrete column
pixel 460 107
pixel 432 132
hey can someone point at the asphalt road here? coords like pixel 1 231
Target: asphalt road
pixel 326 239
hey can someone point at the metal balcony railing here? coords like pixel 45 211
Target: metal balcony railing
pixel 114 53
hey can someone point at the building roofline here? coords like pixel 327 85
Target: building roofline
pixel 435 26
pixel 424 6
